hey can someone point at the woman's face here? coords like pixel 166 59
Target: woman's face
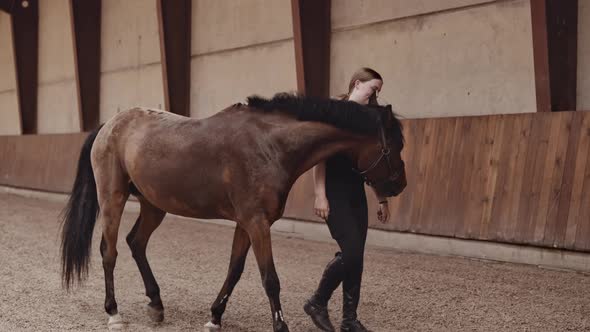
pixel 362 91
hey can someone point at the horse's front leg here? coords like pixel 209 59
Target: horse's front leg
pixel 258 230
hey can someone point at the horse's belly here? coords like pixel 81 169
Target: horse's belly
pixel 183 198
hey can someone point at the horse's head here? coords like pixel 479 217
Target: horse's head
pixel 379 161
pixel 377 157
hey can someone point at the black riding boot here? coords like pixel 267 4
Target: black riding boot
pixel 350 303
pixel 317 306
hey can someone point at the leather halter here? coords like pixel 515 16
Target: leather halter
pixel 385 152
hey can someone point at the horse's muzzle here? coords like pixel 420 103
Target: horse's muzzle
pixel 392 188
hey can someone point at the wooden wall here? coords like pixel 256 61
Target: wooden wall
pixel 513 178
pixel 522 178
pixel 40 162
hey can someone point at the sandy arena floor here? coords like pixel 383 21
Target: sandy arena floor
pixel 401 291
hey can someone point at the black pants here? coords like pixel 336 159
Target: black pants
pixel 348 224
pixel 348 227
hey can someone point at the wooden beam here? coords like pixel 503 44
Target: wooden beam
pixel 562 37
pixel 25 37
pixel 85 22
pixel 6 5
pixel 311 31
pixel 541 55
pixel 174 18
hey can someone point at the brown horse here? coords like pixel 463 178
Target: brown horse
pixel 238 164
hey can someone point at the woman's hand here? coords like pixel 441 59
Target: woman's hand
pixel 383 212
pixel 321 206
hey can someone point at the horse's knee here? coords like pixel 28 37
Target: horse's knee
pixel 109 259
pixel 108 252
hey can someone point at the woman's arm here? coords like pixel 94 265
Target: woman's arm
pixel 321 206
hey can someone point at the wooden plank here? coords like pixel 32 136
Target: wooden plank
pixel 471 182
pixel 496 164
pixel 583 229
pixel 85 21
pixel 577 207
pixel 519 172
pixel 174 18
pixel 311 32
pixel 484 142
pixel 551 180
pixel 453 176
pixel 565 192
pixel 429 193
pixel 504 146
pixel 467 147
pixel 544 180
pixel 582 241
pixel 541 55
pixel 510 176
pixel 422 175
pixel 437 218
pixel 531 185
pixel 25 38
pixel 435 195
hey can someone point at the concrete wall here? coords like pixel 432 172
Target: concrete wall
pixel 467 61
pixel 240 48
pixel 438 58
pixel 58 99
pixel 9 115
pixel 583 99
pixel 353 13
pixel 131 65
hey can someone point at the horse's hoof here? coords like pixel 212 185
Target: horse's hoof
pixel 155 314
pixel 115 323
pixel 281 327
pixel 211 327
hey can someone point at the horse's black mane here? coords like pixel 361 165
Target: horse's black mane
pixel 339 113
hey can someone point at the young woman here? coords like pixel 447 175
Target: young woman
pixel 340 200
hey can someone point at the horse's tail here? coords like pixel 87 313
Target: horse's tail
pixel 79 218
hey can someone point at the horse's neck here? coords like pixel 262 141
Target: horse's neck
pixel 319 142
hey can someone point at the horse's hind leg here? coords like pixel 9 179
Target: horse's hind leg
pixel 150 217
pixel 112 192
pixel 239 251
